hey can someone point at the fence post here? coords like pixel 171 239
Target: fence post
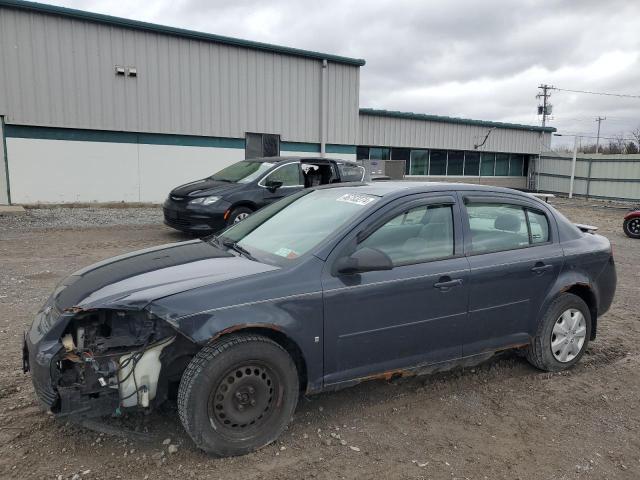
pixel 573 166
pixel 589 176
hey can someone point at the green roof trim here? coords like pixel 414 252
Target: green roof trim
pixel 178 32
pixel 463 121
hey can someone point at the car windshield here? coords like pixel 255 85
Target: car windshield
pixel 288 229
pixel 242 172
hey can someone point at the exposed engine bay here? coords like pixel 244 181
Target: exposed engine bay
pixel 112 359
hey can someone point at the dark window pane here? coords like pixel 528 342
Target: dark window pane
pixel 438 162
pixel 253 145
pixel 419 163
pixel 502 164
pixel 378 153
pixel 487 164
pixel 455 163
pixel 270 145
pixel 471 163
pixel 362 153
pixel 402 154
pixel 516 165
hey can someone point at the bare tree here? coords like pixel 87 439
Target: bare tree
pixel 635 133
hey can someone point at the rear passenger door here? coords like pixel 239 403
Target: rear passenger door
pixel 514 256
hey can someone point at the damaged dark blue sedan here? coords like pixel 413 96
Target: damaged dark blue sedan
pixel 321 290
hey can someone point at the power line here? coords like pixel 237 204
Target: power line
pixel 623 95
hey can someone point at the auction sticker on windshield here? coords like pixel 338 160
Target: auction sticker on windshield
pixel 356 198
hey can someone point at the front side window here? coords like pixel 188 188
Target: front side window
pixel 286 230
pixel 289 175
pixel 417 235
pixel 500 226
pixel 245 171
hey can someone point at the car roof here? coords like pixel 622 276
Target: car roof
pixel 407 187
pixel 281 159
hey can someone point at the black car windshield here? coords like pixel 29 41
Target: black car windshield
pixel 245 171
pixel 286 230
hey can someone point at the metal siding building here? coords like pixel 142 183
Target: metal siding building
pixel 100 108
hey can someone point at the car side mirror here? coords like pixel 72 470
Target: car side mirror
pixel 364 260
pixel 273 185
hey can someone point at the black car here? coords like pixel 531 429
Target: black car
pixel 232 194
pixel 324 289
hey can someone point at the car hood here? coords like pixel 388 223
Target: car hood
pixel 133 280
pixel 206 187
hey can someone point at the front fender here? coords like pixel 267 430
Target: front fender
pixel 633 214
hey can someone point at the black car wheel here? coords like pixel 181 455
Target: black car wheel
pixel 563 334
pixel 631 227
pixel 238 214
pixel 238 394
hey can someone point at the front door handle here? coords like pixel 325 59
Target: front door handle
pixel 541 268
pixel 446 282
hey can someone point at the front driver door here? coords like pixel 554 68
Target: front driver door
pixel 406 317
pixel 289 175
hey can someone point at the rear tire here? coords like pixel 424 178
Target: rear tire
pixel 631 227
pixel 563 334
pixel 238 214
pixel 238 394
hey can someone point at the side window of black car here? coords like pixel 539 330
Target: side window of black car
pixel 417 235
pixel 502 226
pixel 290 175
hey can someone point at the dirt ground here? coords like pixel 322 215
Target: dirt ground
pixel 501 420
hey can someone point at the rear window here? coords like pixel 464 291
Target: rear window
pixel 351 173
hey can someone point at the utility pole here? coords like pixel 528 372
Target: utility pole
pixel 599 120
pixel 546 108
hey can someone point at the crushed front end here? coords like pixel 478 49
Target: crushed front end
pixel 92 363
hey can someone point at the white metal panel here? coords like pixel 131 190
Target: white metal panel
pixel 377 130
pixel 60 72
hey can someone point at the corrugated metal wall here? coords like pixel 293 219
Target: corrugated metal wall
pixel 376 130
pixel 612 176
pixel 60 72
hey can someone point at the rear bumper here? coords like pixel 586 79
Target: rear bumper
pixel 195 220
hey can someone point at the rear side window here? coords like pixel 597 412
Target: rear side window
pixel 418 235
pixel 501 226
pixel 539 226
pixel 351 173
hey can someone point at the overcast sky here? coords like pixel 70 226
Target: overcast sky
pixel 480 59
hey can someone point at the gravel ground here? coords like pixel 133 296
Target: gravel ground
pixel 501 420
pixel 64 217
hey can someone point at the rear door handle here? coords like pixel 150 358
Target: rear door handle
pixel 541 268
pixel 444 284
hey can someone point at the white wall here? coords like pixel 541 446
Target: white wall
pixel 61 171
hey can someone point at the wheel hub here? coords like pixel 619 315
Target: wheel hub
pixel 634 226
pixel 243 397
pixel 568 335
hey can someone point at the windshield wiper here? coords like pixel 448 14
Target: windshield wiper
pixel 241 250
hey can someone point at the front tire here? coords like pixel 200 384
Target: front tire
pixel 631 227
pixel 238 394
pixel 238 214
pixel 562 336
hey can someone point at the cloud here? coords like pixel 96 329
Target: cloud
pixel 469 58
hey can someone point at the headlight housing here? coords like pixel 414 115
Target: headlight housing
pixel 204 200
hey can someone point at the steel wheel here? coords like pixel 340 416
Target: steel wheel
pixel 568 335
pixel 632 227
pixel 243 398
pixel 240 217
